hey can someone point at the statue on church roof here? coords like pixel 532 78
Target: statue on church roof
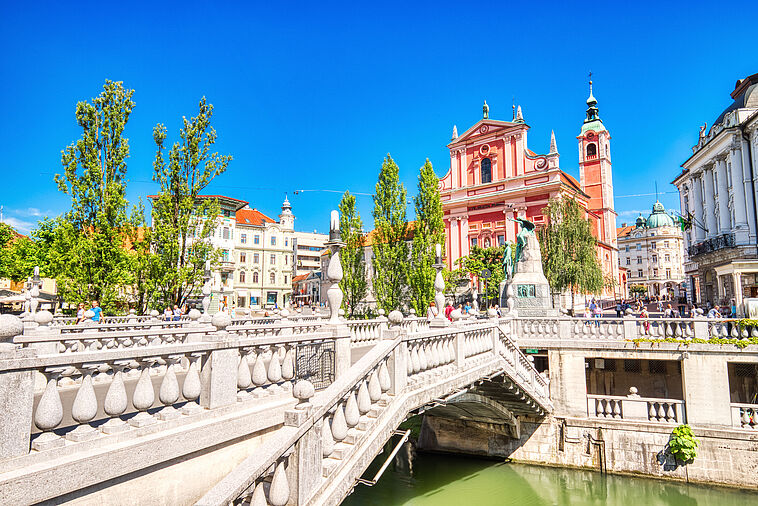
pixel 485 110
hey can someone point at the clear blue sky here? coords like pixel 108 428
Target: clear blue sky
pixel 313 95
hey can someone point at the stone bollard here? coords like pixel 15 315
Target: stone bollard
pixel 16 392
pixel 395 319
pixel 304 469
pixel 303 391
pixel 43 320
pixel 219 370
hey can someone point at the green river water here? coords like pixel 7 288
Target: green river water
pixel 442 480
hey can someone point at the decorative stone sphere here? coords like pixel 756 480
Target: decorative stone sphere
pixel 492 313
pixel 132 311
pixel 530 359
pixel 43 317
pixel 341 312
pixel 284 312
pixel 381 312
pixel 89 314
pixel 412 312
pixel 154 313
pixel 303 390
pixel 629 311
pixel 194 314
pixel 10 327
pixel 395 317
pixel 633 390
pixel 221 320
pixel 455 314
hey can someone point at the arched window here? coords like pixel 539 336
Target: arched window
pixel 242 276
pixel 255 277
pixel 486 170
pixel 591 150
pixel 272 278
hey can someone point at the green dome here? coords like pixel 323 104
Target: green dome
pixel 659 218
pixel 640 221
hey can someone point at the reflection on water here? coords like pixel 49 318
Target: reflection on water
pixel 439 480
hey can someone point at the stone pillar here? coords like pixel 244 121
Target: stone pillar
pixel 568 386
pixel 723 196
pixel 304 465
pixel 709 203
pixel 399 368
pixel 342 356
pixel 219 372
pixel 16 392
pixel 697 203
pixel 741 229
pixel 737 283
pixel 748 187
pixel 706 390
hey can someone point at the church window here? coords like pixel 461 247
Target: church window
pixel 473 242
pixel 486 170
pixel 501 240
pixel 591 150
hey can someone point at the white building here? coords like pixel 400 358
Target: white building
pixel 307 248
pixel 717 187
pixel 652 251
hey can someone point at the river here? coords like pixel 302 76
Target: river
pixel 441 480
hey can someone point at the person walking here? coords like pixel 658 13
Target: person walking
pixel 431 312
pixel 644 316
pixel 177 313
pixel 619 309
pixel 97 310
pixel 448 310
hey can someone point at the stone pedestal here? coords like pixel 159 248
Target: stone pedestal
pixel 529 286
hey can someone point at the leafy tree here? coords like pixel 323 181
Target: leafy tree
pixel 18 254
pixel 486 258
pixel 182 221
pixel 639 290
pixel 429 230
pixel 91 238
pixel 389 242
pixel 569 254
pixel 143 264
pixel 354 284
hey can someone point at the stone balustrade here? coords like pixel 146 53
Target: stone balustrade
pixel 744 416
pixel 566 330
pixel 364 332
pixel 634 407
pixel 145 383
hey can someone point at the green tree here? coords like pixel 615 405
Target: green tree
pixel 91 238
pixel 569 250
pixel 18 254
pixel 485 258
pixel 389 242
pixel 182 222
pixel 354 284
pixel 143 264
pixel 429 230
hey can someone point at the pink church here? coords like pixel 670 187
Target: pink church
pixel 494 176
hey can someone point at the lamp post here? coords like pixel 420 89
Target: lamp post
pixel 439 287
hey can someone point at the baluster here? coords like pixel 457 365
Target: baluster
pixel 339 425
pixel 408 360
pixel 670 412
pixel 617 409
pixel 279 492
pixel 244 377
pixel 415 359
pixel 327 441
pixel 168 393
pixel 288 364
pixel 49 412
pixel 651 411
pixel 85 407
pixel 144 396
pixel 116 400
pixel 385 381
pixel 191 387
pixel 660 414
pixel 259 373
pixel 274 372
pixel 352 415
pixel 374 389
pixel 598 407
pixel 422 358
pixel 364 400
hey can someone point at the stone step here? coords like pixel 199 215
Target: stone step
pixel 342 450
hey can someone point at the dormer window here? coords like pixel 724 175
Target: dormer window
pixel 486 170
pixel 591 150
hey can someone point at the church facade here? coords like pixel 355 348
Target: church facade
pixel 494 178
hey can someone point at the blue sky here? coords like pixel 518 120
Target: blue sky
pixel 311 96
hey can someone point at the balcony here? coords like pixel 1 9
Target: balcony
pixel 712 244
pixel 226 266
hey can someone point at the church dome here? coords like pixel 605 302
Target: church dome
pixel 640 221
pixel 659 218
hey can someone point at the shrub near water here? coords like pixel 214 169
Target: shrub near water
pixel 683 444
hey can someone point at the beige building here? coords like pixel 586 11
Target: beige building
pixel 652 251
pixel 307 248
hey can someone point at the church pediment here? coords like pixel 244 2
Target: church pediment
pixel 485 127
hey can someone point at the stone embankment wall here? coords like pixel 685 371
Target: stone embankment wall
pixel 725 457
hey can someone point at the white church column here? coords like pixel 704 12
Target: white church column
pixel 742 221
pixel 723 196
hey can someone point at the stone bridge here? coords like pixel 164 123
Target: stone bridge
pixel 282 411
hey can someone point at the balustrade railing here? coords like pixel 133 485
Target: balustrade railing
pixel 745 416
pixel 634 407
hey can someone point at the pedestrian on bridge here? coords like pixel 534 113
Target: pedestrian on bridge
pixel 432 312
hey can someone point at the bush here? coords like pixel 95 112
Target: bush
pixel 683 444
